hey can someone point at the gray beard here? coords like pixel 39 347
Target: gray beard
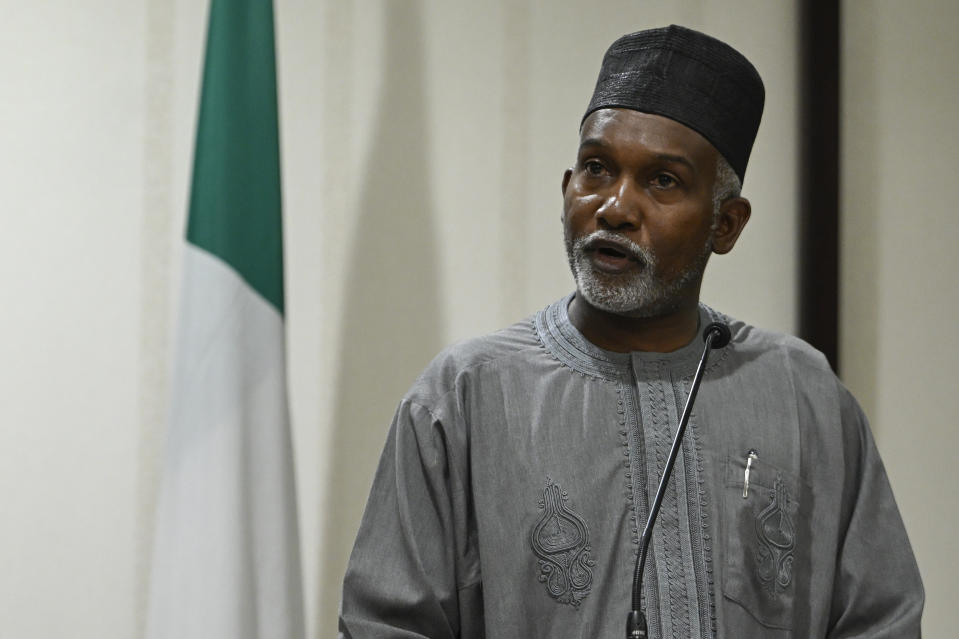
pixel 643 293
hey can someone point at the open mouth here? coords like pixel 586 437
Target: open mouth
pixel 611 252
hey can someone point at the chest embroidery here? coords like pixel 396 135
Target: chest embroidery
pixel 777 539
pixel 560 540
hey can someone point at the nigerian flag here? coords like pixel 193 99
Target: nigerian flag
pixel 226 556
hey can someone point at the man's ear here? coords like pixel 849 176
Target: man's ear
pixel 733 215
pixel 566 175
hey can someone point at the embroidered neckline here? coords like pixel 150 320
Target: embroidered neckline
pixel 569 346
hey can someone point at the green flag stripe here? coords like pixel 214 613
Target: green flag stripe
pixel 235 205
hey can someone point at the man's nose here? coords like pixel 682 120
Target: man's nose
pixel 622 207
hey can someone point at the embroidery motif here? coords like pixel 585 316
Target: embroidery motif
pixel 777 538
pixel 561 541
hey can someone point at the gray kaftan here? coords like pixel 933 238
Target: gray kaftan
pixel 516 478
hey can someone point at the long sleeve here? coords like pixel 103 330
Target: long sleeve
pixel 877 592
pixel 414 569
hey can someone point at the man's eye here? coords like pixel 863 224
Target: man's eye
pixel 664 181
pixel 593 167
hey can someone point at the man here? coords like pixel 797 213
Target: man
pixel 519 469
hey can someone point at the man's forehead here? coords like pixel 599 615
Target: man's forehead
pixel 631 129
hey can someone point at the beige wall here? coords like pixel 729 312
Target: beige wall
pixel 71 197
pixel 899 237
pixel 423 144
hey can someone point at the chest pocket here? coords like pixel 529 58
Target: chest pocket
pixel 761 541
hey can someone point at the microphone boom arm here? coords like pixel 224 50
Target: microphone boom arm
pixel 716 335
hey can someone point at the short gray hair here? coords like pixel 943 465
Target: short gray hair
pixel 727 183
pixel 726 186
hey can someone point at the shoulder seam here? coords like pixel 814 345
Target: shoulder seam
pixel 476 365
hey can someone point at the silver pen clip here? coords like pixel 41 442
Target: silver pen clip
pixel 751 456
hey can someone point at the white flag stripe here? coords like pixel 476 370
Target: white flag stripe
pixel 226 555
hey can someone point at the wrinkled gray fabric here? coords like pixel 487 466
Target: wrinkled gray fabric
pixel 514 484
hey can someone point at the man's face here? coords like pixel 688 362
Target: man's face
pixel 638 212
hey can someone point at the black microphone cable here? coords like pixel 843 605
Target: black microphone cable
pixel 716 335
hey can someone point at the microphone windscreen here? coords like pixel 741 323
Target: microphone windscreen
pixel 721 334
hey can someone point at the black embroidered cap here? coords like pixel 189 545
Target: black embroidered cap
pixel 689 77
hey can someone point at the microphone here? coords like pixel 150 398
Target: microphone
pixel 720 334
pixel 716 335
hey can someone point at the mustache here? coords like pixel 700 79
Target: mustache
pixel 621 243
